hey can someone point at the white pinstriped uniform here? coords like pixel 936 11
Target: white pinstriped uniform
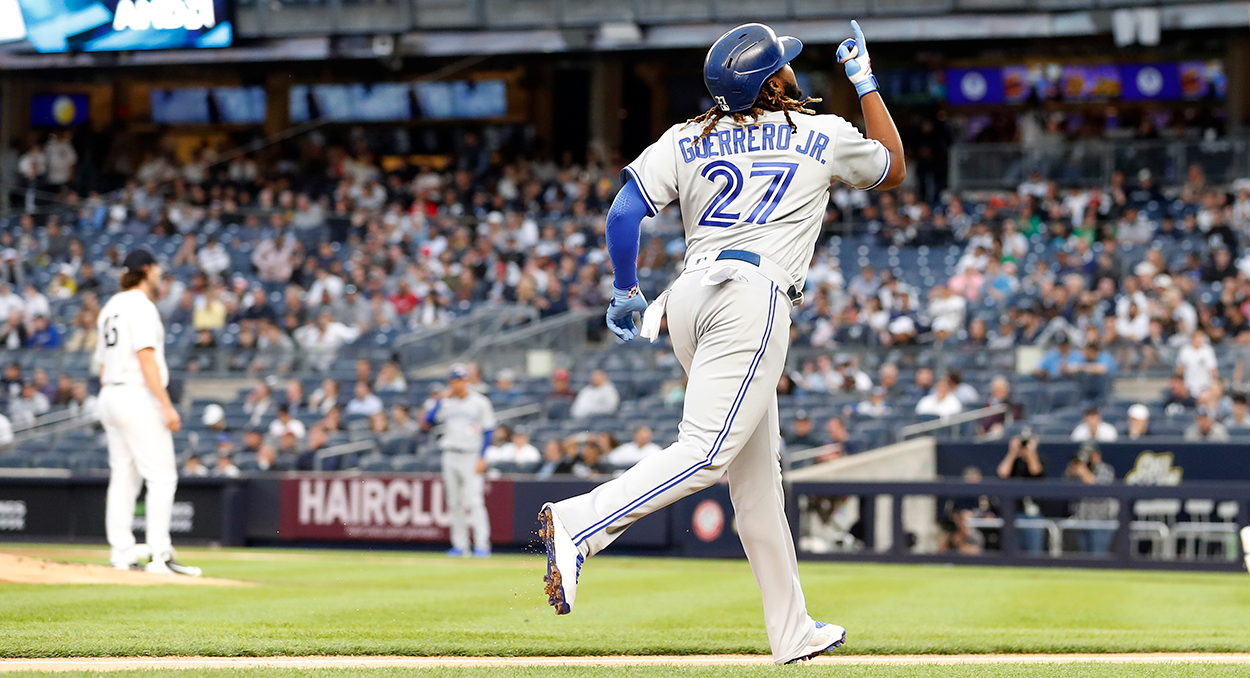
pixel 753 200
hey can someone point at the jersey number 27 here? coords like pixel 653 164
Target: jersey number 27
pixel 717 213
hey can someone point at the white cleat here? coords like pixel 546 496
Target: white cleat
pixel 130 558
pixel 563 561
pixel 826 638
pixel 172 567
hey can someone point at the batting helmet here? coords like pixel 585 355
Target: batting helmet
pixel 741 60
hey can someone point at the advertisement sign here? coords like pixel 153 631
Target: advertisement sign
pixel 58 110
pixel 208 105
pixel 399 101
pixel 1020 83
pixel 116 25
pixel 72 509
pixel 974 85
pixel 411 508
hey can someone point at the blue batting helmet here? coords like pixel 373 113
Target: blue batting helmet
pixel 741 60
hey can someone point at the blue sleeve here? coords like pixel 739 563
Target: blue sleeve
pixel 486 438
pixel 623 229
pixel 431 416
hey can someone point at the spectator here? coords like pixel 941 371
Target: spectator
pixel 634 451
pixel 43 335
pixel 274 259
pixel 29 405
pixel 1024 462
pixel 514 447
pixel 284 424
pixel 13 333
pixel 1205 428
pixel 1240 418
pixel 922 383
pixel 560 386
pixel 887 378
pixel 6 431
pixel 802 435
pixel 1054 364
pixel 1197 363
pixel 323 338
pixel 194 468
pixel 214 417
pixel 1000 394
pixel 210 313
pixel 391 379
pixel 82 403
pixel 875 407
pixel 941 403
pixel 596 398
pixel 296 403
pixel 965 392
pixel 212 257
pixel 1178 395
pixel 1089 468
pixel 848 378
pixel 365 403
pixel 1095 370
pixel 324 398
pixel 257 403
pixel 838 442
pixel 1092 427
pixel 402 420
pixel 1138 422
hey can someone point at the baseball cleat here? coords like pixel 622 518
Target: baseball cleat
pixel 563 559
pixel 172 567
pixel 126 567
pixel 481 553
pixel 457 553
pixel 827 637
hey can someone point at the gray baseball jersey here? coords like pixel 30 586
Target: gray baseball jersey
pixel 465 422
pixel 762 187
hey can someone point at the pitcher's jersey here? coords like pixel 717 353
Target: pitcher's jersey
pixel 760 187
pixel 129 323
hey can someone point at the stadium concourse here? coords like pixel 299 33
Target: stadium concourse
pixel 913 311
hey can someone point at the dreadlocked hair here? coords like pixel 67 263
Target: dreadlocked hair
pixel 768 100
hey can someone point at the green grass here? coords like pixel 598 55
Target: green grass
pixel 961 671
pixel 352 602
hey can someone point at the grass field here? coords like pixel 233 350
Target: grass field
pixel 352 602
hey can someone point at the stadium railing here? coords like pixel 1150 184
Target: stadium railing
pixel 1091 162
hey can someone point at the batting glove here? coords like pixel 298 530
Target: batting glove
pixel 621 311
pixel 853 55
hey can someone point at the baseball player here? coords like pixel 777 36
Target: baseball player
pixel 753 176
pixel 138 418
pixel 468 424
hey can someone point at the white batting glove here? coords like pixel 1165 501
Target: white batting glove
pixel 853 55
pixel 621 312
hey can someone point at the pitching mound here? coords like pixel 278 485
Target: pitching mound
pixel 15 569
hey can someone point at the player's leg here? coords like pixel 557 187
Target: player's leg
pixel 475 497
pixel 153 447
pixel 123 490
pixel 453 486
pixel 734 336
pixel 760 515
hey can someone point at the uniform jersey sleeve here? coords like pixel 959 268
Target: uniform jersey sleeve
pixel 488 415
pixel 861 162
pixel 655 172
pixel 144 328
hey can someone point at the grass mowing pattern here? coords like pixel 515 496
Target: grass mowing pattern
pixel 352 602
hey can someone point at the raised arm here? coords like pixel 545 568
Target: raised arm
pixel 878 125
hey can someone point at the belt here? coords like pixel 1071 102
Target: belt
pixel 767 267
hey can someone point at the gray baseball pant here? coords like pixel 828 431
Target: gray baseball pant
pixel 466 493
pixel 732 340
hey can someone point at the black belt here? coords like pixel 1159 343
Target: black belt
pixel 754 259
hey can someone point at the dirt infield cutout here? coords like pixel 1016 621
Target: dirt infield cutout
pixel 15 569
pixel 308 663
